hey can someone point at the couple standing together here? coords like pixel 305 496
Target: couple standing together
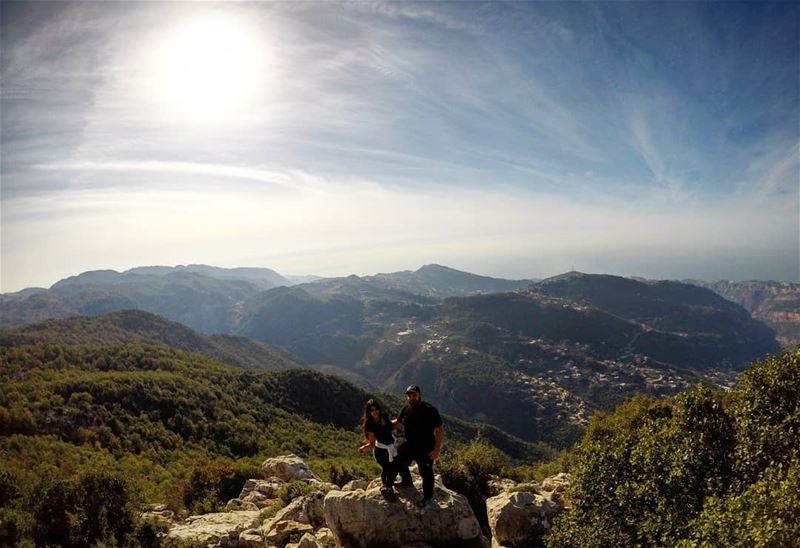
pixel 424 434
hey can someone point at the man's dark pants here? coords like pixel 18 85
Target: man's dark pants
pixel 406 454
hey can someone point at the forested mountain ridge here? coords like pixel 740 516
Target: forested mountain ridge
pixel 139 327
pixel 65 355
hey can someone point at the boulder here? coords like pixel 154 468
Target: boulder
pixel 239 504
pixel 302 515
pixel 251 538
pixel 354 485
pixel 359 519
pixel 306 541
pixel 499 485
pixel 221 529
pixel 291 512
pixel 314 509
pixel 325 536
pixel 160 514
pixel 261 493
pixel 520 519
pixel 286 530
pixel 289 468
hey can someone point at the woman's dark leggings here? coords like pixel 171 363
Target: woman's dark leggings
pixel 388 469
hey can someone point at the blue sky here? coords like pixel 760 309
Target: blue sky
pixel 507 139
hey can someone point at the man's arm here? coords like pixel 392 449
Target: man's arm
pixel 437 448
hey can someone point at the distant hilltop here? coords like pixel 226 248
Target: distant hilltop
pixel 210 298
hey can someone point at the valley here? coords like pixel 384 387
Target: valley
pixel 533 358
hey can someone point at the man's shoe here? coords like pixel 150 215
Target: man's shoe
pixel 388 494
pixel 423 503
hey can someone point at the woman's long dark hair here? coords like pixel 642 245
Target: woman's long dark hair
pixel 365 416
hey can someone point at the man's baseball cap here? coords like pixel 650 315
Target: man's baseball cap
pixel 413 388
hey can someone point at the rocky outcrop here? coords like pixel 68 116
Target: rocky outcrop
pixel 777 304
pixel 363 518
pixel 259 493
pixel 520 519
pixel 288 468
pixel 306 541
pixel 360 517
pixel 556 488
pixel 285 530
pixel 218 529
pixel 355 484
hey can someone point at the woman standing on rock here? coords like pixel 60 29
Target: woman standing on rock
pixel 378 431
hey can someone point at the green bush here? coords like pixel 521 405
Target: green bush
pixel 703 468
pixel 147 533
pixel 531 473
pixel 14 526
pixel 766 409
pixel 765 514
pixel 95 507
pixel 343 469
pixel 468 470
pixel 211 484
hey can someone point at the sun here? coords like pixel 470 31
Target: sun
pixel 209 69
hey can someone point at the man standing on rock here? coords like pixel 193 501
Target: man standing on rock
pixel 424 434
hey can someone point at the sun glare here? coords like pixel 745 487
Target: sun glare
pixel 210 70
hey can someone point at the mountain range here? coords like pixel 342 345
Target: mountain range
pixel 533 358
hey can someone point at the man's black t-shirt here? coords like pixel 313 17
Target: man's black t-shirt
pixel 419 423
pixel 383 432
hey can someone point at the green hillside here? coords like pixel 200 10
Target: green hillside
pixel 85 396
pixel 136 326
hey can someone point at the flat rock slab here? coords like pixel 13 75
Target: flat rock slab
pixel 211 528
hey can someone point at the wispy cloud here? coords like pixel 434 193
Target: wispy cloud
pixel 296 180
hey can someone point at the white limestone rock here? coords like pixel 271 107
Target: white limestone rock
pixel 359 519
pixel 221 529
pixel 289 468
